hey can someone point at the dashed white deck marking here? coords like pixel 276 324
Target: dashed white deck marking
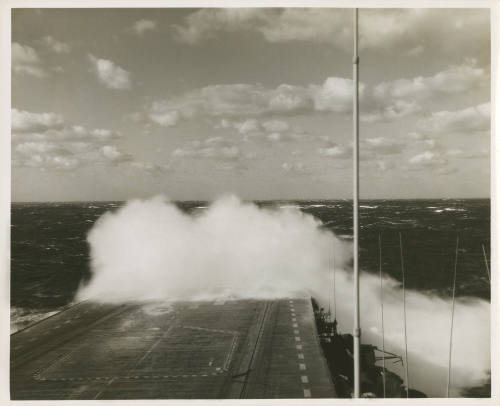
pixel 302 367
pixel 298 346
pixel 139 377
pixel 294 319
pixel 307 393
pixel 293 314
pixel 300 355
pixel 297 338
pixel 296 332
pixel 295 325
pixel 304 379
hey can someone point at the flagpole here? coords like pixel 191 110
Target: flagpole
pixel 356 329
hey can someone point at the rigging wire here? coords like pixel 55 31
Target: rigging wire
pixel 382 309
pixel 407 379
pixel 452 317
pixel 334 292
pixel 329 287
pixel 486 263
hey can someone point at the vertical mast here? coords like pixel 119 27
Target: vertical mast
pixel 355 149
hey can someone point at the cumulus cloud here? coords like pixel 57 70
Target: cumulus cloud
pixel 46 141
pixel 428 159
pixel 336 151
pixel 150 168
pixel 383 145
pixel 25 61
pixel 393 110
pixel 384 102
pixel 109 74
pixel 295 167
pixel 142 26
pixel 55 45
pixel 334 95
pixel 244 100
pixel 399 98
pixel 387 29
pixel 24 121
pixel 216 148
pixel 470 120
pixel 455 79
pixel 276 126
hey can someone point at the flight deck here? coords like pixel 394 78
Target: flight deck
pixel 172 350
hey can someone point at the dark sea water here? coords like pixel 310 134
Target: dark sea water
pixel 50 255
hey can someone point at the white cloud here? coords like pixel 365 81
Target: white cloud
pixel 334 95
pixel 383 146
pixel 416 51
pixel 46 141
pixel 379 28
pixel 25 61
pixel 394 110
pixel 55 45
pixel 142 26
pixel 248 126
pixel 428 159
pixel 297 167
pixel 216 148
pixel 275 126
pixel 470 120
pixel 337 151
pixel 455 79
pixel 403 97
pixel 151 168
pixel 25 121
pixel 244 100
pixel 459 153
pixel 110 75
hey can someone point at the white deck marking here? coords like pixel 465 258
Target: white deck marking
pixel 293 314
pixel 304 379
pixel 299 346
pixel 295 325
pixel 300 355
pixel 297 338
pixel 219 302
pixel 294 318
pixel 296 332
pixel 302 367
pixel 307 393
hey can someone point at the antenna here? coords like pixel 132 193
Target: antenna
pixel 404 316
pixel 382 309
pixel 452 316
pixel 356 327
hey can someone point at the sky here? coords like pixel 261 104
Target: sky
pixel 113 104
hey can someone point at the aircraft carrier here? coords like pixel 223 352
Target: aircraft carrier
pixel 172 350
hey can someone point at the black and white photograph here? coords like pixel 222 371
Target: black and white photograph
pixel 250 201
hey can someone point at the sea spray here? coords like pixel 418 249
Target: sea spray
pixel 150 249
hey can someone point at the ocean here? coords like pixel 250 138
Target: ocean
pixel 50 255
